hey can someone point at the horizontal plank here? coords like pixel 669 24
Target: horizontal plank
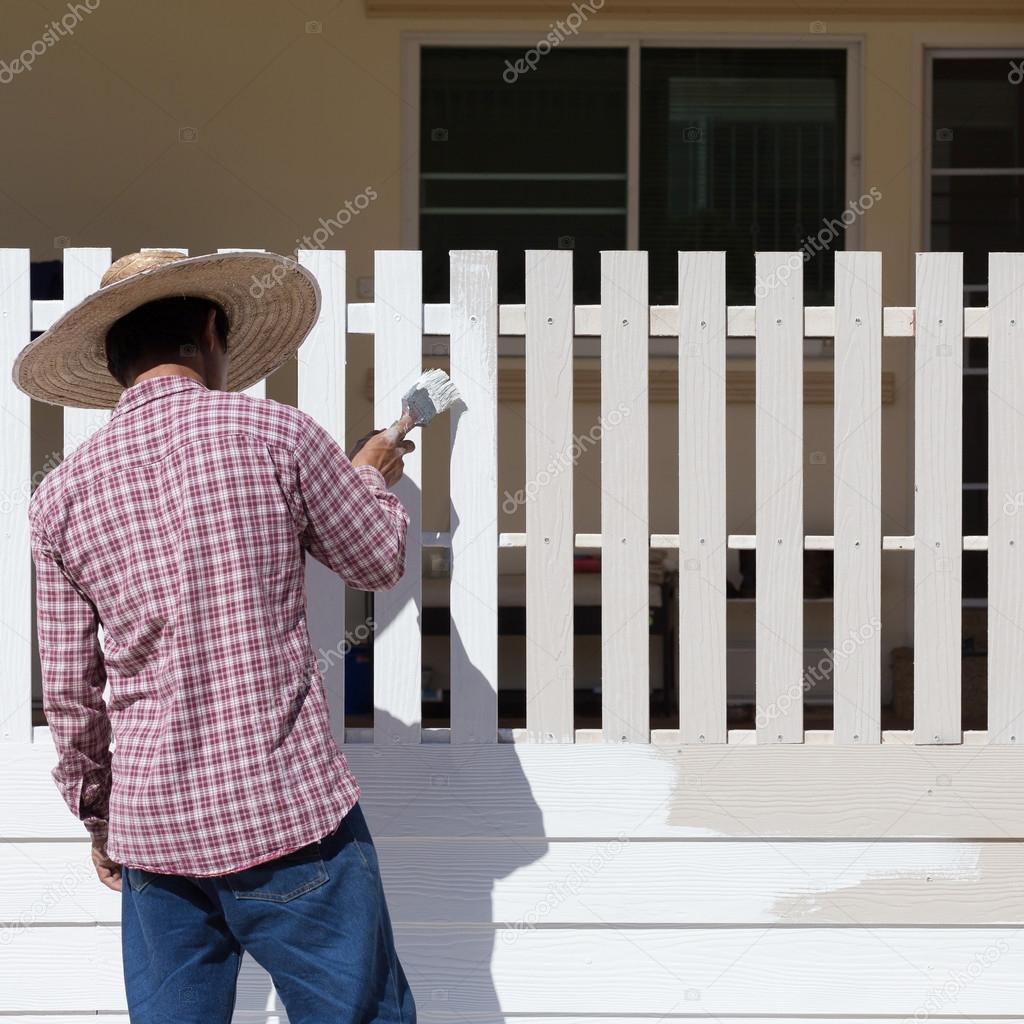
pixel 602 790
pixel 53 882
pixel 465 970
pixel 736 541
pixel 816 542
pixel 819 321
pixel 714 971
pixel 659 737
pixel 699 883
pixel 613 882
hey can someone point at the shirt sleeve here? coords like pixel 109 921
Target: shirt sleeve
pixel 73 677
pixel 354 524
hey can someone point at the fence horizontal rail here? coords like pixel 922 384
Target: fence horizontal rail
pixel 734 542
pixel 819 321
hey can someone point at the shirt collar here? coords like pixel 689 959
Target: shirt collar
pixel 154 387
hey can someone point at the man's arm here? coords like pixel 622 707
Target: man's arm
pixel 73 675
pixel 354 524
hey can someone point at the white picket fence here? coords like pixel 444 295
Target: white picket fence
pixel 511 874
pixel 701 321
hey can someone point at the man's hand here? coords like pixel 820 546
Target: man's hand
pixel 109 873
pixel 375 449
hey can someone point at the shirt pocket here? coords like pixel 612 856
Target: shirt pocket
pixel 281 879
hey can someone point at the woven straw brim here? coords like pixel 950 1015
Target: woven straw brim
pixel 271 302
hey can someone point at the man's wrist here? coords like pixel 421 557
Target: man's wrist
pixel 97 829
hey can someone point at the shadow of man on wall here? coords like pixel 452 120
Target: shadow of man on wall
pixel 448 823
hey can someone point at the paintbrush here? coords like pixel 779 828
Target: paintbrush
pixel 431 395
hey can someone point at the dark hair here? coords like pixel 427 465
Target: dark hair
pixel 164 328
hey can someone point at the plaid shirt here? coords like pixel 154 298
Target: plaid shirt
pixel 181 527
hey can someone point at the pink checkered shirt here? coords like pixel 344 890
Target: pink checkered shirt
pixel 181 527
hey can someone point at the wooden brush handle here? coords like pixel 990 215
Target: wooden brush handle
pixel 400 427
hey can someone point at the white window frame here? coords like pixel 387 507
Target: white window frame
pixel 413 42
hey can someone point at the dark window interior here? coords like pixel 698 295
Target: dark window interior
pixel 529 161
pixel 742 150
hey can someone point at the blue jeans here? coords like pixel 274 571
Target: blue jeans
pixel 315 919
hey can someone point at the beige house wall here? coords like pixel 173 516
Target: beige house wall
pixel 205 125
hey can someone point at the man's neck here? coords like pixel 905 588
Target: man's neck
pixel 169 370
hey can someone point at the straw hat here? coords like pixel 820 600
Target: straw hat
pixel 271 303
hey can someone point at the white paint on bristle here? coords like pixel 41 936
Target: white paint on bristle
pixel 433 393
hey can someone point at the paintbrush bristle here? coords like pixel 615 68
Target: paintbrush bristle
pixel 433 393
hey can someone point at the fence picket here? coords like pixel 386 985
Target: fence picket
pixel 397 356
pixel 321 393
pixel 549 513
pixel 938 408
pixel 625 529
pixel 702 526
pixel 474 490
pixel 83 269
pixel 858 498
pixel 779 495
pixel 1005 497
pixel 15 482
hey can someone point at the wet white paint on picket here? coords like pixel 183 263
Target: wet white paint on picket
pixel 398 344
pixel 938 494
pixel 702 462
pixel 1006 498
pixel 321 393
pixel 857 477
pixel 549 496
pixel 474 498
pixel 779 496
